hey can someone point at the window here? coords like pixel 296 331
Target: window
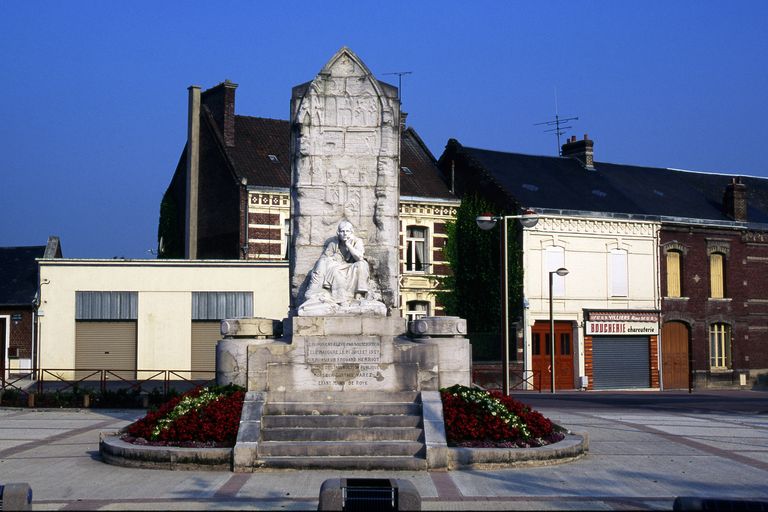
pixel 716 275
pixel 673 274
pixel 618 264
pixel 416 309
pixel 536 344
pixel 555 259
pixel 719 346
pixel 416 249
pixel 565 344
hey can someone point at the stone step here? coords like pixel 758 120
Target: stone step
pixel 343 396
pixel 375 434
pixel 340 421
pixel 341 449
pixel 360 463
pixel 342 408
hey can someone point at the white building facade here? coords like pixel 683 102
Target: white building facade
pixel 606 307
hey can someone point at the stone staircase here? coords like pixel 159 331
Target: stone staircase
pixel 334 430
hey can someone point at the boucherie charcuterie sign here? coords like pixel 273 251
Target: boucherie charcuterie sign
pixel 627 323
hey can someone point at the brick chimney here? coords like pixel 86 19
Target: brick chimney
pixel 735 200
pixel 220 100
pixel 581 150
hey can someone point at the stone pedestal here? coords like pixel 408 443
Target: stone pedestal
pixel 347 354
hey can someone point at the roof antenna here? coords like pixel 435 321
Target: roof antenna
pixel 558 123
pixel 400 81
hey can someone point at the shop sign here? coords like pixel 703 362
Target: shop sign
pixel 622 328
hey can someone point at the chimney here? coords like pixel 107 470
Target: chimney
pixel 735 200
pixel 193 171
pixel 581 150
pixel 220 100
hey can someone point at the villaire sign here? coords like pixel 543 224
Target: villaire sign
pixel 623 323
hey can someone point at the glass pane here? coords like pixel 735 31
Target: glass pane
pixel 536 345
pixel 565 344
pixel 673 274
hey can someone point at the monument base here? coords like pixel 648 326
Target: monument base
pixel 343 353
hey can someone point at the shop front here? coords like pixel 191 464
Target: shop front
pixel 621 349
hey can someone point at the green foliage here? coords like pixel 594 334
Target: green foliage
pixel 167 232
pixel 473 291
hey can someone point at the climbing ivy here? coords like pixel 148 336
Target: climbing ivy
pixel 473 290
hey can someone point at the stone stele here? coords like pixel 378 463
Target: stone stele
pixel 345 147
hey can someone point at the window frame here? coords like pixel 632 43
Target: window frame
pixel 412 314
pixel 674 261
pixel 717 275
pixel 411 250
pixel 720 346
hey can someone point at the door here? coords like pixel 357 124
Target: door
pixel 621 362
pixel 105 346
pixel 541 352
pixel 205 336
pixel 674 355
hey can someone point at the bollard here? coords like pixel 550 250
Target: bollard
pixel 368 494
pixel 31 400
pixel 15 497
pixel 86 401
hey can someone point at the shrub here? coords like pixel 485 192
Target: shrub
pixel 481 418
pixel 203 416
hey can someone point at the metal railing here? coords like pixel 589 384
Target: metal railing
pixel 100 380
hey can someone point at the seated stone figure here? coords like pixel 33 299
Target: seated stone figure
pixel 338 283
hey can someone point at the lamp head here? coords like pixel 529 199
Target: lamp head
pixel 529 218
pixel 561 271
pixel 486 221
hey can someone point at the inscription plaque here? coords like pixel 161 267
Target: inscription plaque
pixel 343 352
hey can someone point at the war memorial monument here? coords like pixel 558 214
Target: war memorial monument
pixel 341 382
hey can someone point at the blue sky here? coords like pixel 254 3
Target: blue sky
pixel 94 93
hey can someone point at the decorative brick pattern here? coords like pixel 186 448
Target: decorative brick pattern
pixel 271 219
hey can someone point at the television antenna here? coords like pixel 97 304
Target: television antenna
pixel 559 125
pixel 400 81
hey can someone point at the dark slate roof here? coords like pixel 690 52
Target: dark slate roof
pixel 256 138
pixel 18 274
pixel 422 177
pixel 563 183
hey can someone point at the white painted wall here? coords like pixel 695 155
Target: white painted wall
pixel 587 244
pixel 164 301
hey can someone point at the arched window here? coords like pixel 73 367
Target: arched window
pixel 618 270
pixel 717 275
pixel 674 273
pixel 720 346
pixel 415 309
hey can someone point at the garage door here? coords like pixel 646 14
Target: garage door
pixel 620 362
pixel 205 335
pixel 105 346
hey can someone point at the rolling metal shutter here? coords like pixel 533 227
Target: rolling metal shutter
pixel 620 362
pixel 105 346
pixel 205 335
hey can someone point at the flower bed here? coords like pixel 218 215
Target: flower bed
pixel 483 419
pixel 202 417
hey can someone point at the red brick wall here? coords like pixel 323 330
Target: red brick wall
pixel 654 355
pixel 746 287
pixel 20 333
pixel 588 361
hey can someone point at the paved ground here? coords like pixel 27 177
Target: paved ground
pixel 645 449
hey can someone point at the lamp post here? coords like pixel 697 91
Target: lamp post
pixel 487 221
pixel 561 272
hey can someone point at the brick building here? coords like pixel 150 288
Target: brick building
pixel 675 255
pixel 19 283
pixel 229 196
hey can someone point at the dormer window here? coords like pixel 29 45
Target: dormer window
pixel 273 159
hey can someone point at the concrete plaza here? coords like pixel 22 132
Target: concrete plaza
pixel 646 448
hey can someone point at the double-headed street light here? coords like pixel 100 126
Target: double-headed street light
pixel 486 221
pixel 561 272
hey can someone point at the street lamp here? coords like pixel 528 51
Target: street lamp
pixel 487 221
pixel 561 272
